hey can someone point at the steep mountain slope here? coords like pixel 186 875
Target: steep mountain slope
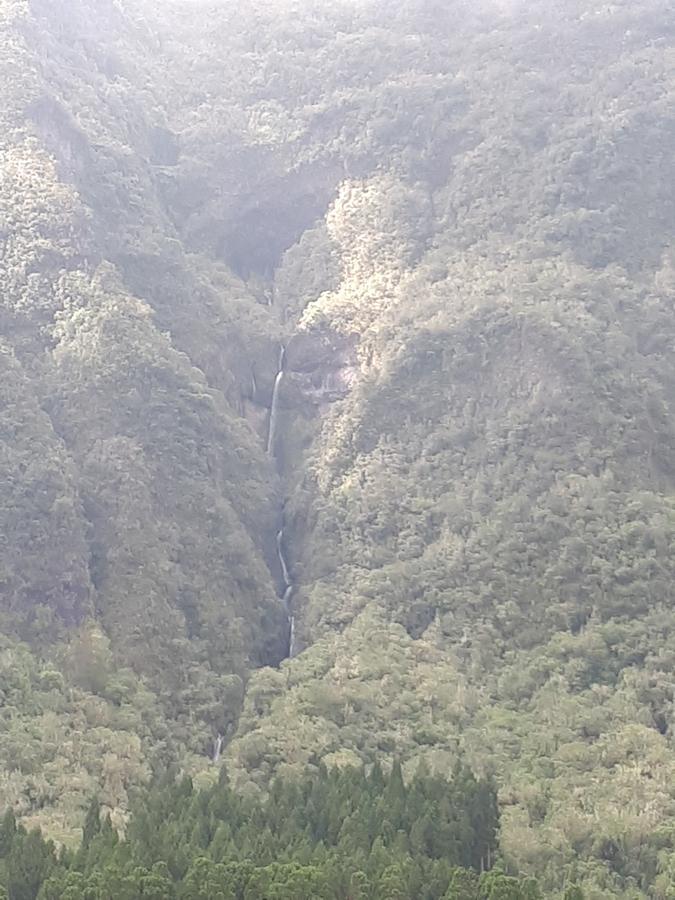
pixel 458 221
pixel 498 478
pixel 139 509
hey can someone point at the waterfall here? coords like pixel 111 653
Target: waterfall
pixel 286 599
pixel 217 748
pixel 291 642
pixel 274 408
pixel 288 590
pixel 281 552
pixel 282 559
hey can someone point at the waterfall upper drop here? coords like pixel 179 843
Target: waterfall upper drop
pixel 274 408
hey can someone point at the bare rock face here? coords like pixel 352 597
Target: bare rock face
pixel 322 365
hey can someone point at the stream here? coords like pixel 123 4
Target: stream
pixel 286 594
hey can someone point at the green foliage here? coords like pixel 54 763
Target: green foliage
pixel 463 214
pixel 138 510
pixel 328 835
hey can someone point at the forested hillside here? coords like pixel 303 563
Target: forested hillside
pixel 329 835
pixel 342 332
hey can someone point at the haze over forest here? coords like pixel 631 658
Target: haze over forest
pixel 337 451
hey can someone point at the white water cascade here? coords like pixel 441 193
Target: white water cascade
pixel 282 560
pixel 217 748
pixel 287 595
pixel 291 639
pixel 288 591
pixel 274 408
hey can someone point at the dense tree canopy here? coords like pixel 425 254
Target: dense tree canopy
pixel 340 834
pixel 459 220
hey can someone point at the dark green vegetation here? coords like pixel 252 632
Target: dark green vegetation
pixel 332 835
pixel 462 215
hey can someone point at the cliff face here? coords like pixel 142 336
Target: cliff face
pixel 460 229
pixel 323 367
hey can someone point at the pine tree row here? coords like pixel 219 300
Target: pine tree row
pixel 333 835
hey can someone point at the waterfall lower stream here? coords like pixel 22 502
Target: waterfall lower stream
pixel 287 596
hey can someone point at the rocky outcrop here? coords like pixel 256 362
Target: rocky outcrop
pixel 322 366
